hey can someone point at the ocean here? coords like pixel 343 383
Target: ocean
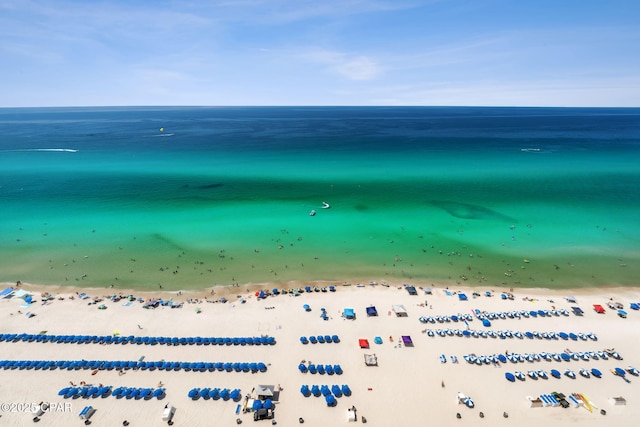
pixel 193 197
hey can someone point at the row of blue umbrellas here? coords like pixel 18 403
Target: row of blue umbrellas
pixel 554 373
pixel 131 339
pixel 536 357
pixel 326 391
pixel 85 392
pixel 313 339
pixel 143 365
pixel 138 393
pixel 512 334
pixel 320 369
pixel 517 314
pixel 215 393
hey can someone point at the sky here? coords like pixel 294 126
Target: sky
pixel 320 52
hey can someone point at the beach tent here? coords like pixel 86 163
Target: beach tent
pixel 406 340
pixel 577 311
pixel 21 293
pixel 571 299
pixel 265 391
pixel 349 313
pixel 427 291
pixel 364 343
pixel 399 310
pixel 411 290
pixel 7 293
pixel 462 296
pixel 370 360
pixel 598 308
pixel 371 311
pixel 622 314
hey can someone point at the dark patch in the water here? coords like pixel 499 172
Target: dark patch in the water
pixel 361 208
pixel 166 241
pixel 469 211
pixel 208 186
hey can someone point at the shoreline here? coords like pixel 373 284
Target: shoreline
pixel 240 288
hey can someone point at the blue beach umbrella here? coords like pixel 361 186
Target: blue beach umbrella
pixel 224 394
pixel 305 390
pixel 509 376
pixel 315 390
pixel 330 399
pixel 346 390
pixel 214 394
pixel 336 390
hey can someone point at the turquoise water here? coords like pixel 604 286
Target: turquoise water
pixel 223 195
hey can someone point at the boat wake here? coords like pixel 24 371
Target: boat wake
pixel 58 150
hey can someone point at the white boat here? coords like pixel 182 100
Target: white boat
pixel 325 205
pixel 312 213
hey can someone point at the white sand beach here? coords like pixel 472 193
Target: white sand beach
pixel 409 387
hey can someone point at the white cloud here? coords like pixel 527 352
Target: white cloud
pixel 351 67
pixel 358 68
